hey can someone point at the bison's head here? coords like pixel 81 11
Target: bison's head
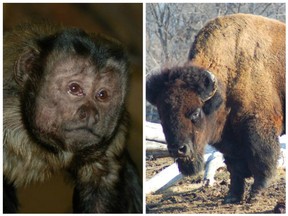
pixel 187 99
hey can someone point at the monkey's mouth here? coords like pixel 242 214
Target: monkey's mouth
pixel 82 131
pixel 79 138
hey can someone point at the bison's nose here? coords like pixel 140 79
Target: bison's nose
pixel 181 151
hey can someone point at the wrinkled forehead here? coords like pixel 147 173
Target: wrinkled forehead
pixel 72 65
pixel 68 62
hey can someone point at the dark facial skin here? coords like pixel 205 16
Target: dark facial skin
pixel 77 98
pixel 76 105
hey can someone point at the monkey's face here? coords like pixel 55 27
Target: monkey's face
pixel 78 104
pixel 73 89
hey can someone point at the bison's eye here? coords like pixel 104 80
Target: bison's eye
pixel 75 89
pixel 102 95
pixel 194 115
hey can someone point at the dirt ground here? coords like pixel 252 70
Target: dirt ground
pixel 189 196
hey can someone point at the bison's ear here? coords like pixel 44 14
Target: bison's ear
pixel 213 103
pixel 154 84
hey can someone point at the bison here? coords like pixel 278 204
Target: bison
pixel 230 94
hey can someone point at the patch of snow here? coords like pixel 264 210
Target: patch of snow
pixel 154 132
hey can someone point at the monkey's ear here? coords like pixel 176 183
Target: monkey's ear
pixel 23 66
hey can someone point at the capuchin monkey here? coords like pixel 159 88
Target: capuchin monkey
pixel 64 111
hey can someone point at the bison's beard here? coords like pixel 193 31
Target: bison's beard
pixel 188 166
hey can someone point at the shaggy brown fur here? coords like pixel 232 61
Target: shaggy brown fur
pixel 39 141
pixel 248 57
pixel 243 119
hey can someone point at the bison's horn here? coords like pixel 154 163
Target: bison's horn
pixel 209 85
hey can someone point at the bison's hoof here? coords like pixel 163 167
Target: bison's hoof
pixel 252 199
pixel 232 199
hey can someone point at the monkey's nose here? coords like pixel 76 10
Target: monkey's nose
pixel 88 114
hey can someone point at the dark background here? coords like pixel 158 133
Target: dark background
pixel 121 21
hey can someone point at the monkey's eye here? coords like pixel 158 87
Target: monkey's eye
pixel 102 95
pixel 75 89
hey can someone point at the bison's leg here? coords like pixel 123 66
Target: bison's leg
pixel 238 171
pixel 262 151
